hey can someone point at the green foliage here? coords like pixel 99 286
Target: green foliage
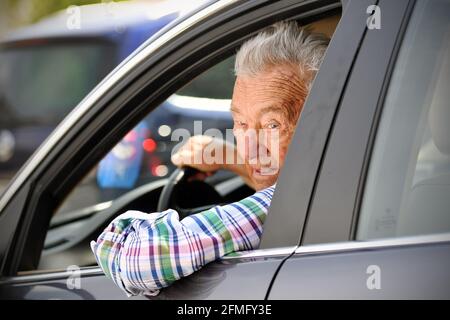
pixel 45 7
pixel 41 8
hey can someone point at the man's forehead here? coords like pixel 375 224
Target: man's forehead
pixel 264 86
pixel 274 78
pixel 263 101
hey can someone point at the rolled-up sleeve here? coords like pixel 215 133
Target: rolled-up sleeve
pixel 143 253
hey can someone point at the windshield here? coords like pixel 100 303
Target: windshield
pixel 41 84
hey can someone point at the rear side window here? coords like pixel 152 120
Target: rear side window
pixel 408 185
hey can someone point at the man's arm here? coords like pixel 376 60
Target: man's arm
pixel 143 253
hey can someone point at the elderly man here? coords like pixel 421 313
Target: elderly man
pixel 143 253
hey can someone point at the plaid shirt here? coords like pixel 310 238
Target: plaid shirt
pixel 143 253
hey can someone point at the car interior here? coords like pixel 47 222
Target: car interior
pixel 69 234
pixel 431 182
pixel 405 181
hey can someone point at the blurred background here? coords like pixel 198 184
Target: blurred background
pixel 54 52
pixel 17 13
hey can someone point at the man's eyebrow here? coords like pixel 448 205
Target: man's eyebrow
pixel 272 108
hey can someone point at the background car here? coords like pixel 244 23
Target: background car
pixel 354 213
pixel 47 68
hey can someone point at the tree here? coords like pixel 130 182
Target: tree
pixel 15 13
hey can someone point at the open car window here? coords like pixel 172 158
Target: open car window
pixel 143 155
pixel 140 163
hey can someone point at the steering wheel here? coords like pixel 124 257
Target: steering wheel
pixel 188 196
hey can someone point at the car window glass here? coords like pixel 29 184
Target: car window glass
pixel 407 190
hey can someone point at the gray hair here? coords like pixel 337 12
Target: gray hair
pixel 282 43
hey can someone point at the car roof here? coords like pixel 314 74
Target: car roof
pixel 102 19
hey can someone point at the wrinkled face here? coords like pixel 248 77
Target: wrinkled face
pixel 265 110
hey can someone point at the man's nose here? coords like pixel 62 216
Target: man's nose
pixel 255 149
pixel 251 149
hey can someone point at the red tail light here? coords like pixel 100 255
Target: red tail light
pixel 149 145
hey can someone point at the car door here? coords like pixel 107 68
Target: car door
pixel 379 223
pixel 147 78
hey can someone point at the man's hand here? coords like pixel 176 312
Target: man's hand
pixel 195 152
pixel 192 154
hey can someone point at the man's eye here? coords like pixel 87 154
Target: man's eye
pixel 273 125
pixel 240 123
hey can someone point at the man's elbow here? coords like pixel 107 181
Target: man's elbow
pixel 148 265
